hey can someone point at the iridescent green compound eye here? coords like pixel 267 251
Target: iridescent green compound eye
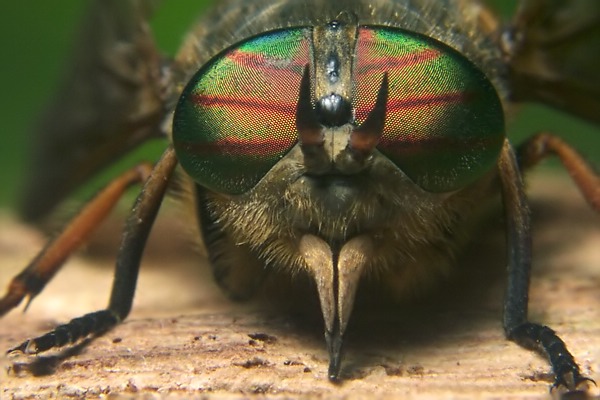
pixel 236 118
pixel 444 124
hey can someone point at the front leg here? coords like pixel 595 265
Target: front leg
pixel 138 226
pixel 516 324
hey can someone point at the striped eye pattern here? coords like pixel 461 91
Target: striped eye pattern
pixel 444 124
pixel 236 118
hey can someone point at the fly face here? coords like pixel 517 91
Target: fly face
pixel 325 148
pixel 360 140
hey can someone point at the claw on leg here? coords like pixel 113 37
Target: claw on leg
pixel 571 381
pixel 17 291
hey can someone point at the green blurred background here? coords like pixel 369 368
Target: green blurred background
pixel 35 39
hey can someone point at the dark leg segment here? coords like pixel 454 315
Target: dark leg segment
pixel 77 328
pixel 133 241
pixel 136 233
pixel 516 325
pixel 535 336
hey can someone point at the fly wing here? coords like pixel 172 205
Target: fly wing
pixel 109 102
pixel 554 53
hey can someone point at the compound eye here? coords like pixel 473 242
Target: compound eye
pixel 236 117
pixel 444 124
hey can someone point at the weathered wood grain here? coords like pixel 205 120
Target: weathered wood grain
pixel 184 339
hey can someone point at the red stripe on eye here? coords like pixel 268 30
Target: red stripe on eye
pixel 430 100
pixel 423 143
pixel 244 104
pixel 236 147
pixel 389 63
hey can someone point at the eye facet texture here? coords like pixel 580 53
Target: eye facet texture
pixel 235 120
pixel 444 123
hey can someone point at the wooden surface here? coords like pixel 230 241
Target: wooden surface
pixel 184 339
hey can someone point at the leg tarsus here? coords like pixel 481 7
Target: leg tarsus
pixel 572 382
pixel 27 284
pixel 17 291
pixel 78 328
pixel 540 337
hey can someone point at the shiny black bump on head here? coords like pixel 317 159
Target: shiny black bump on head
pixel 333 110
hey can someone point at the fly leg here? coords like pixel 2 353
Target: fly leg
pixel 136 232
pixel 30 282
pixel 517 327
pixel 543 145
